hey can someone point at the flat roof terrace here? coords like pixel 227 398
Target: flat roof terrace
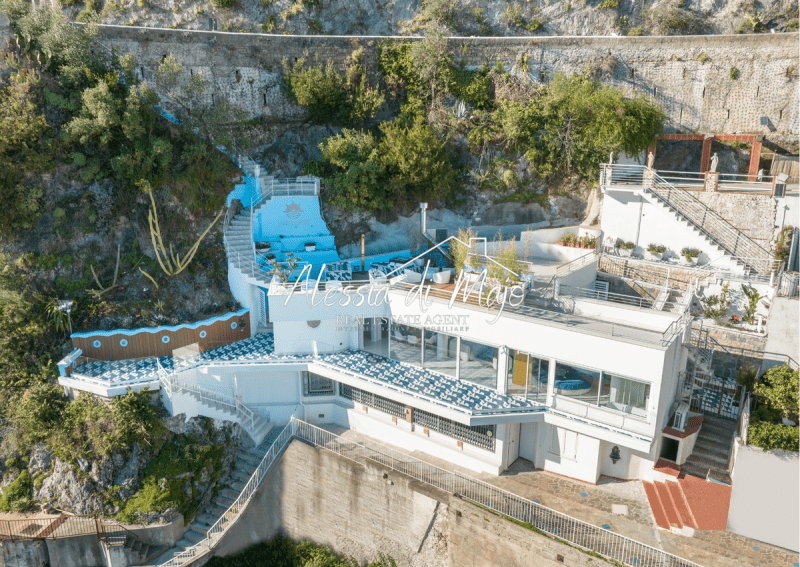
pixel 438 389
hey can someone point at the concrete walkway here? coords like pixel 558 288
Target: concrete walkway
pixel 623 506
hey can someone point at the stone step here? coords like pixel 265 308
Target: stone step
pixel 206 520
pixel 714 435
pixel 720 457
pixel 702 469
pixel 711 444
pixel 195 535
pixel 673 517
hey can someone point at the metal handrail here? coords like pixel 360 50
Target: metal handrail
pixel 172 384
pixel 702 217
pixel 234 511
pixel 562 526
pixel 576 264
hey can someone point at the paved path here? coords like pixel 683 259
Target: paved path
pixel 623 506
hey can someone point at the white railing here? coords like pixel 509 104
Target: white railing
pixel 172 384
pixel 561 526
pixel 738 245
pixel 622 299
pixel 234 511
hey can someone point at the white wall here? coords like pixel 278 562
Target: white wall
pixel 582 277
pixel 379 425
pixel 629 216
pixel 632 464
pixel 296 337
pixel 764 496
pixel 581 461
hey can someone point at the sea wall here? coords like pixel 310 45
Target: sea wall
pixel 690 76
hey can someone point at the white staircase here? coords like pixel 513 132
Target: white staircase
pixel 719 233
pixel 218 406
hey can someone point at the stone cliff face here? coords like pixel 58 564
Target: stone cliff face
pixel 471 18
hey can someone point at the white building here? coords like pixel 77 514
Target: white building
pixel 580 381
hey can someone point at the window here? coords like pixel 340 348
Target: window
pixel 478 363
pixel 630 396
pixel 581 384
pixel 441 353
pixel 375 333
pixel 527 376
pixel 316 385
pixel 407 344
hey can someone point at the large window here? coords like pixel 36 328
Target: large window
pixel 478 363
pixel 602 389
pixel 441 353
pixel 527 376
pixel 630 396
pixel 375 332
pixel 581 384
pixel 407 344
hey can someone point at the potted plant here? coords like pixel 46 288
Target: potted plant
pixel 656 251
pixel 567 239
pixel 310 246
pixel 691 255
pixel 590 241
pixel 625 248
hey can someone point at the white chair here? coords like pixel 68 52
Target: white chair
pixel 412 276
pixel 441 278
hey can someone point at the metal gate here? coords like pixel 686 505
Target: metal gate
pixel 718 399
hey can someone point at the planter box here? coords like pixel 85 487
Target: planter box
pixel 654 257
pixel 624 253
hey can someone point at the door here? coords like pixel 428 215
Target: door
pixel 512 446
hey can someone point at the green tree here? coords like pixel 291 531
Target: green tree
pixel 330 96
pixel 22 124
pixel 416 161
pixel 38 412
pixel 779 387
pixel 432 64
pixel 585 120
pixel 358 182
pixel 122 132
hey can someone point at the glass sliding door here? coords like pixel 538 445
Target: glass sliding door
pixel 527 376
pixel 407 344
pixel 441 352
pixel 478 363
pixel 375 333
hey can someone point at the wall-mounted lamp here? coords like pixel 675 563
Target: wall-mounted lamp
pixel 615 456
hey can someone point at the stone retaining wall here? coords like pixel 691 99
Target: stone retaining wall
pixel 246 68
pixel 735 350
pixel 362 510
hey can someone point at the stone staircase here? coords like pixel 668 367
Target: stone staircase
pixel 139 551
pixel 729 241
pixel 247 459
pixel 711 453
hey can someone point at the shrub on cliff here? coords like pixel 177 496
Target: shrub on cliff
pixel 333 97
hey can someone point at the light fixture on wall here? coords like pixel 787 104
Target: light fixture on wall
pixel 615 456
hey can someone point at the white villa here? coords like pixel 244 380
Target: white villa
pixel 555 369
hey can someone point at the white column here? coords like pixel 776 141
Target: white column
pixel 502 362
pixel 551 380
